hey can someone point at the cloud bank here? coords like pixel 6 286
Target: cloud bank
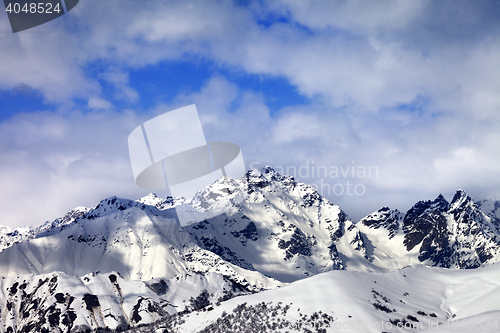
pixel 408 87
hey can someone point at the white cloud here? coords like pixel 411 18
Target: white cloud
pixel 363 67
pixel 363 57
pixel 353 16
pixel 54 162
pixel 99 103
pixel 120 80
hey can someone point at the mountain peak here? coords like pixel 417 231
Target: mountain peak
pixel 266 175
pixel 460 198
pixel 423 207
pixel 151 195
pixel 440 197
pixel 267 169
pixel 385 218
pixel 150 199
pixel 440 203
pixel 260 178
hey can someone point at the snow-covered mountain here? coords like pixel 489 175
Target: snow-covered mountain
pixel 281 229
pixel 8 236
pixel 416 298
pixel 58 302
pixel 437 233
pixel 104 266
pixel 136 240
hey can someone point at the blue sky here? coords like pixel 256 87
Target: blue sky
pixel 407 87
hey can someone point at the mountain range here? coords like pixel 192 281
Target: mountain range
pixel 129 265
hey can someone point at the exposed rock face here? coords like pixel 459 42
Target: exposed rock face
pixel 58 302
pixel 125 263
pixel 122 263
pixel 451 235
pixel 420 219
pixel 385 218
pixel 274 225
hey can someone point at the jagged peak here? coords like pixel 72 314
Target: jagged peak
pixel 459 194
pixel 383 212
pixel 440 203
pixel 460 198
pixel 265 175
pixel 256 178
pixel 150 195
pixel 69 217
pixel 421 207
pixel 113 201
pixel 224 182
pixel 224 188
pixel 152 199
pixel 268 170
pixel 440 197
pixel 109 205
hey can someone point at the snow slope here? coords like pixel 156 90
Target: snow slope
pixel 112 263
pixel 264 222
pixel 278 227
pixel 427 299
pixel 48 302
pixel 269 225
pixel 8 236
pixel 138 241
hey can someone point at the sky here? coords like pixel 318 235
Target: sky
pixel 380 103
